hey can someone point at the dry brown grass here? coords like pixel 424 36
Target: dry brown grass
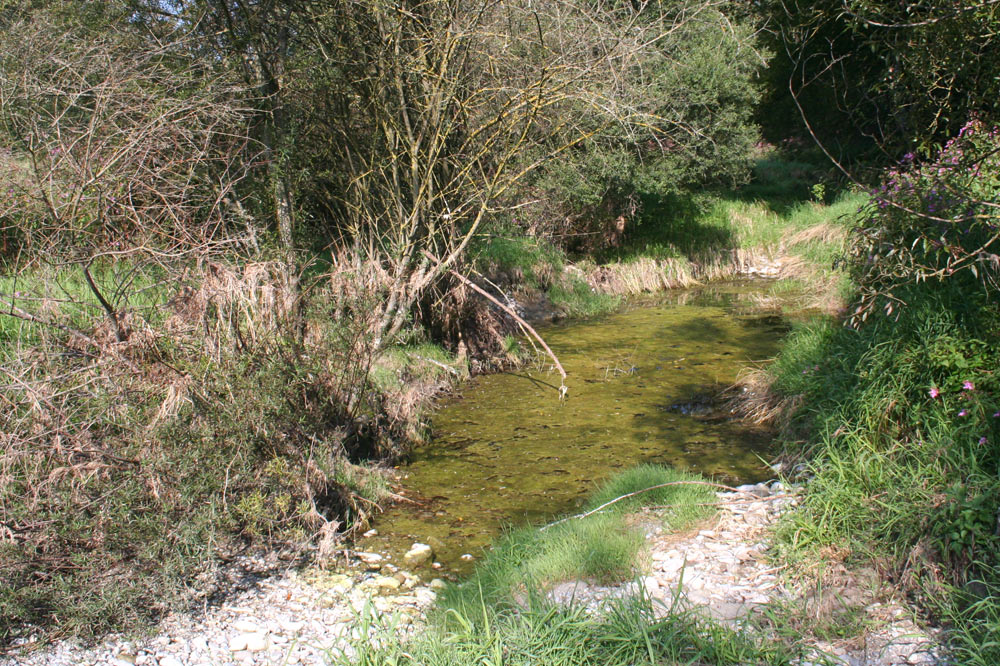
pixel 234 307
pixel 641 276
pixel 823 232
pixel 752 398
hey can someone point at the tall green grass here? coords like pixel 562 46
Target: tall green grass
pixel 579 299
pixel 628 633
pixel 683 502
pixel 602 547
pixel 900 432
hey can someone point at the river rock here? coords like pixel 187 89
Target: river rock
pixel 418 554
pixel 370 558
pixel 238 643
pixel 246 626
pixel 387 583
pixel 169 661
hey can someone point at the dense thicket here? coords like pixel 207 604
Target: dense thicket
pixel 897 413
pixel 875 79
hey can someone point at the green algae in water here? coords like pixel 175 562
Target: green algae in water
pixel 506 451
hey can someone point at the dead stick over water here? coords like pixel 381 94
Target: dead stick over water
pixel 479 290
pixel 639 492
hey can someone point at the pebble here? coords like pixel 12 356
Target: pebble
pixel 246 626
pixel 385 582
pixel 291 617
pixel 169 661
pixel 418 554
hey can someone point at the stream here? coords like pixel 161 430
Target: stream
pixel 643 384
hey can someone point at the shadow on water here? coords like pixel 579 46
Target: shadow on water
pixel 642 383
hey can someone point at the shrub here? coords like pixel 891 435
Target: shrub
pixel 900 429
pixel 935 220
pixel 232 416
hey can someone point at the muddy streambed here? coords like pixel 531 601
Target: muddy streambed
pixel 505 450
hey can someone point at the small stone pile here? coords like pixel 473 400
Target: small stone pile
pixel 296 617
pixel 722 570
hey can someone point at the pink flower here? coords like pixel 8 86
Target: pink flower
pixel 967 386
pixel 934 392
pixel 964 412
pixel 982 440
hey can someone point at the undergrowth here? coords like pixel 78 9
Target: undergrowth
pixel 899 429
pixel 209 417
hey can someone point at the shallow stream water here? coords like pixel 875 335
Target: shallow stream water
pixel 505 450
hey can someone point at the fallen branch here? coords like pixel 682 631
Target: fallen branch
pixel 437 363
pixel 749 500
pixel 479 290
pixel 17 313
pixel 639 492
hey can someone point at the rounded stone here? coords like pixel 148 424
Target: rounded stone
pixel 418 554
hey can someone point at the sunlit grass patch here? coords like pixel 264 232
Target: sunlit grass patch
pixel 603 547
pixel 533 261
pixel 578 299
pixel 683 503
pixel 527 561
pixel 628 633
pixel 501 614
pixel 897 425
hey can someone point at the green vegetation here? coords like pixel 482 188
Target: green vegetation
pixel 900 477
pixel 603 547
pixel 501 614
pixel 231 237
pixel 183 379
pixel 877 78
pixel 679 498
pixel 628 633
pixel 677 239
pixel 215 426
pixel 897 418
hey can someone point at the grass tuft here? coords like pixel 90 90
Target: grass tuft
pixel 500 615
pixel 683 504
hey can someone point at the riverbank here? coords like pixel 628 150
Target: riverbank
pixel 235 372
pixel 700 581
pixel 706 589
pixel 642 385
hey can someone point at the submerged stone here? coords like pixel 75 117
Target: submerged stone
pixel 418 554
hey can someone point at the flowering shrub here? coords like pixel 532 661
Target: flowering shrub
pixel 932 220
